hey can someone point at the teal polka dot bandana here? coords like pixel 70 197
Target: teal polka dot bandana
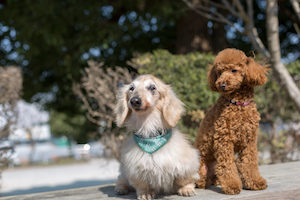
pixel 153 144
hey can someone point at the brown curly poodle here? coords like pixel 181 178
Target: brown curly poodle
pixel 231 125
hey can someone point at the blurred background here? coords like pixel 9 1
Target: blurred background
pixel 62 62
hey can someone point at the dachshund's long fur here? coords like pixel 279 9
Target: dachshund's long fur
pixel 230 128
pixel 174 167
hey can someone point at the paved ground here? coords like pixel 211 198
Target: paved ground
pixel 283 183
pixel 42 179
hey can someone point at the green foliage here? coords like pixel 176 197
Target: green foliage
pixel 188 76
pixel 294 70
pixel 75 127
pixel 277 109
pixel 273 100
pixel 186 73
pixel 52 40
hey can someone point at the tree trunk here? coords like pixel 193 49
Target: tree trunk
pixel 193 34
pixel 274 49
pixel 272 143
pixel 70 147
pixel 32 145
pixel 218 37
pixel 296 8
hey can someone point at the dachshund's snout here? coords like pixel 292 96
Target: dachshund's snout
pixel 223 86
pixel 136 102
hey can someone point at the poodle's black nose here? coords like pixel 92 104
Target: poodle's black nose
pixel 223 86
pixel 136 102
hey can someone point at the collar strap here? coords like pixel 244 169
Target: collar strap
pixel 153 144
pixel 246 103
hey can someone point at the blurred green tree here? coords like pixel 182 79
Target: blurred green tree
pixel 75 128
pixel 279 116
pixel 188 76
pixel 52 40
pixel 240 16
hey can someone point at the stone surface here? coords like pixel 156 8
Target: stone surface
pixel 283 183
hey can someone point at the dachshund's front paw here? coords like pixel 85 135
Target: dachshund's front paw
pixel 146 196
pixel 187 190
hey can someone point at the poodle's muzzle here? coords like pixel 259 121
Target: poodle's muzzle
pixel 223 86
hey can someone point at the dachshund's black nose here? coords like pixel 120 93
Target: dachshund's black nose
pixel 136 102
pixel 223 86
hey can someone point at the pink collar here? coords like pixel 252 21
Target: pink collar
pixel 239 103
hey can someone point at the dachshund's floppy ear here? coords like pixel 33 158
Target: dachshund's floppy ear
pixel 172 107
pixel 255 73
pixel 212 77
pixel 121 110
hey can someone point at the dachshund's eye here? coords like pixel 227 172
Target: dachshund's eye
pixel 131 88
pixel 152 87
pixel 234 71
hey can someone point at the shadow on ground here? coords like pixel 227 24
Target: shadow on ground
pixel 215 189
pixel 110 192
pixel 76 184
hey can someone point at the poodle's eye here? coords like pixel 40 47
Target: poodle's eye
pixel 131 88
pixel 234 70
pixel 152 87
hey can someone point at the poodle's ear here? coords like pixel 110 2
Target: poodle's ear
pixel 212 77
pixel 255 73
pixel 172 107
pixel 121 110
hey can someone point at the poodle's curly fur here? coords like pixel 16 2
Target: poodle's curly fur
pixel 230 128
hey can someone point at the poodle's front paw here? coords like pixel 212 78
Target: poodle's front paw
pixel 232 187
pixel 121 190
pixel 187 190
pixel 258 184
pixel 146 196
pixel 201 184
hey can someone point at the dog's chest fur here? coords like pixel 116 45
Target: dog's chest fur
pixel 160 169
pixel 241 122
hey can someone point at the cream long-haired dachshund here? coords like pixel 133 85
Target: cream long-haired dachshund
pixel 156 158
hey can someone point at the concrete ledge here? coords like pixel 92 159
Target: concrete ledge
pixel 283 183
